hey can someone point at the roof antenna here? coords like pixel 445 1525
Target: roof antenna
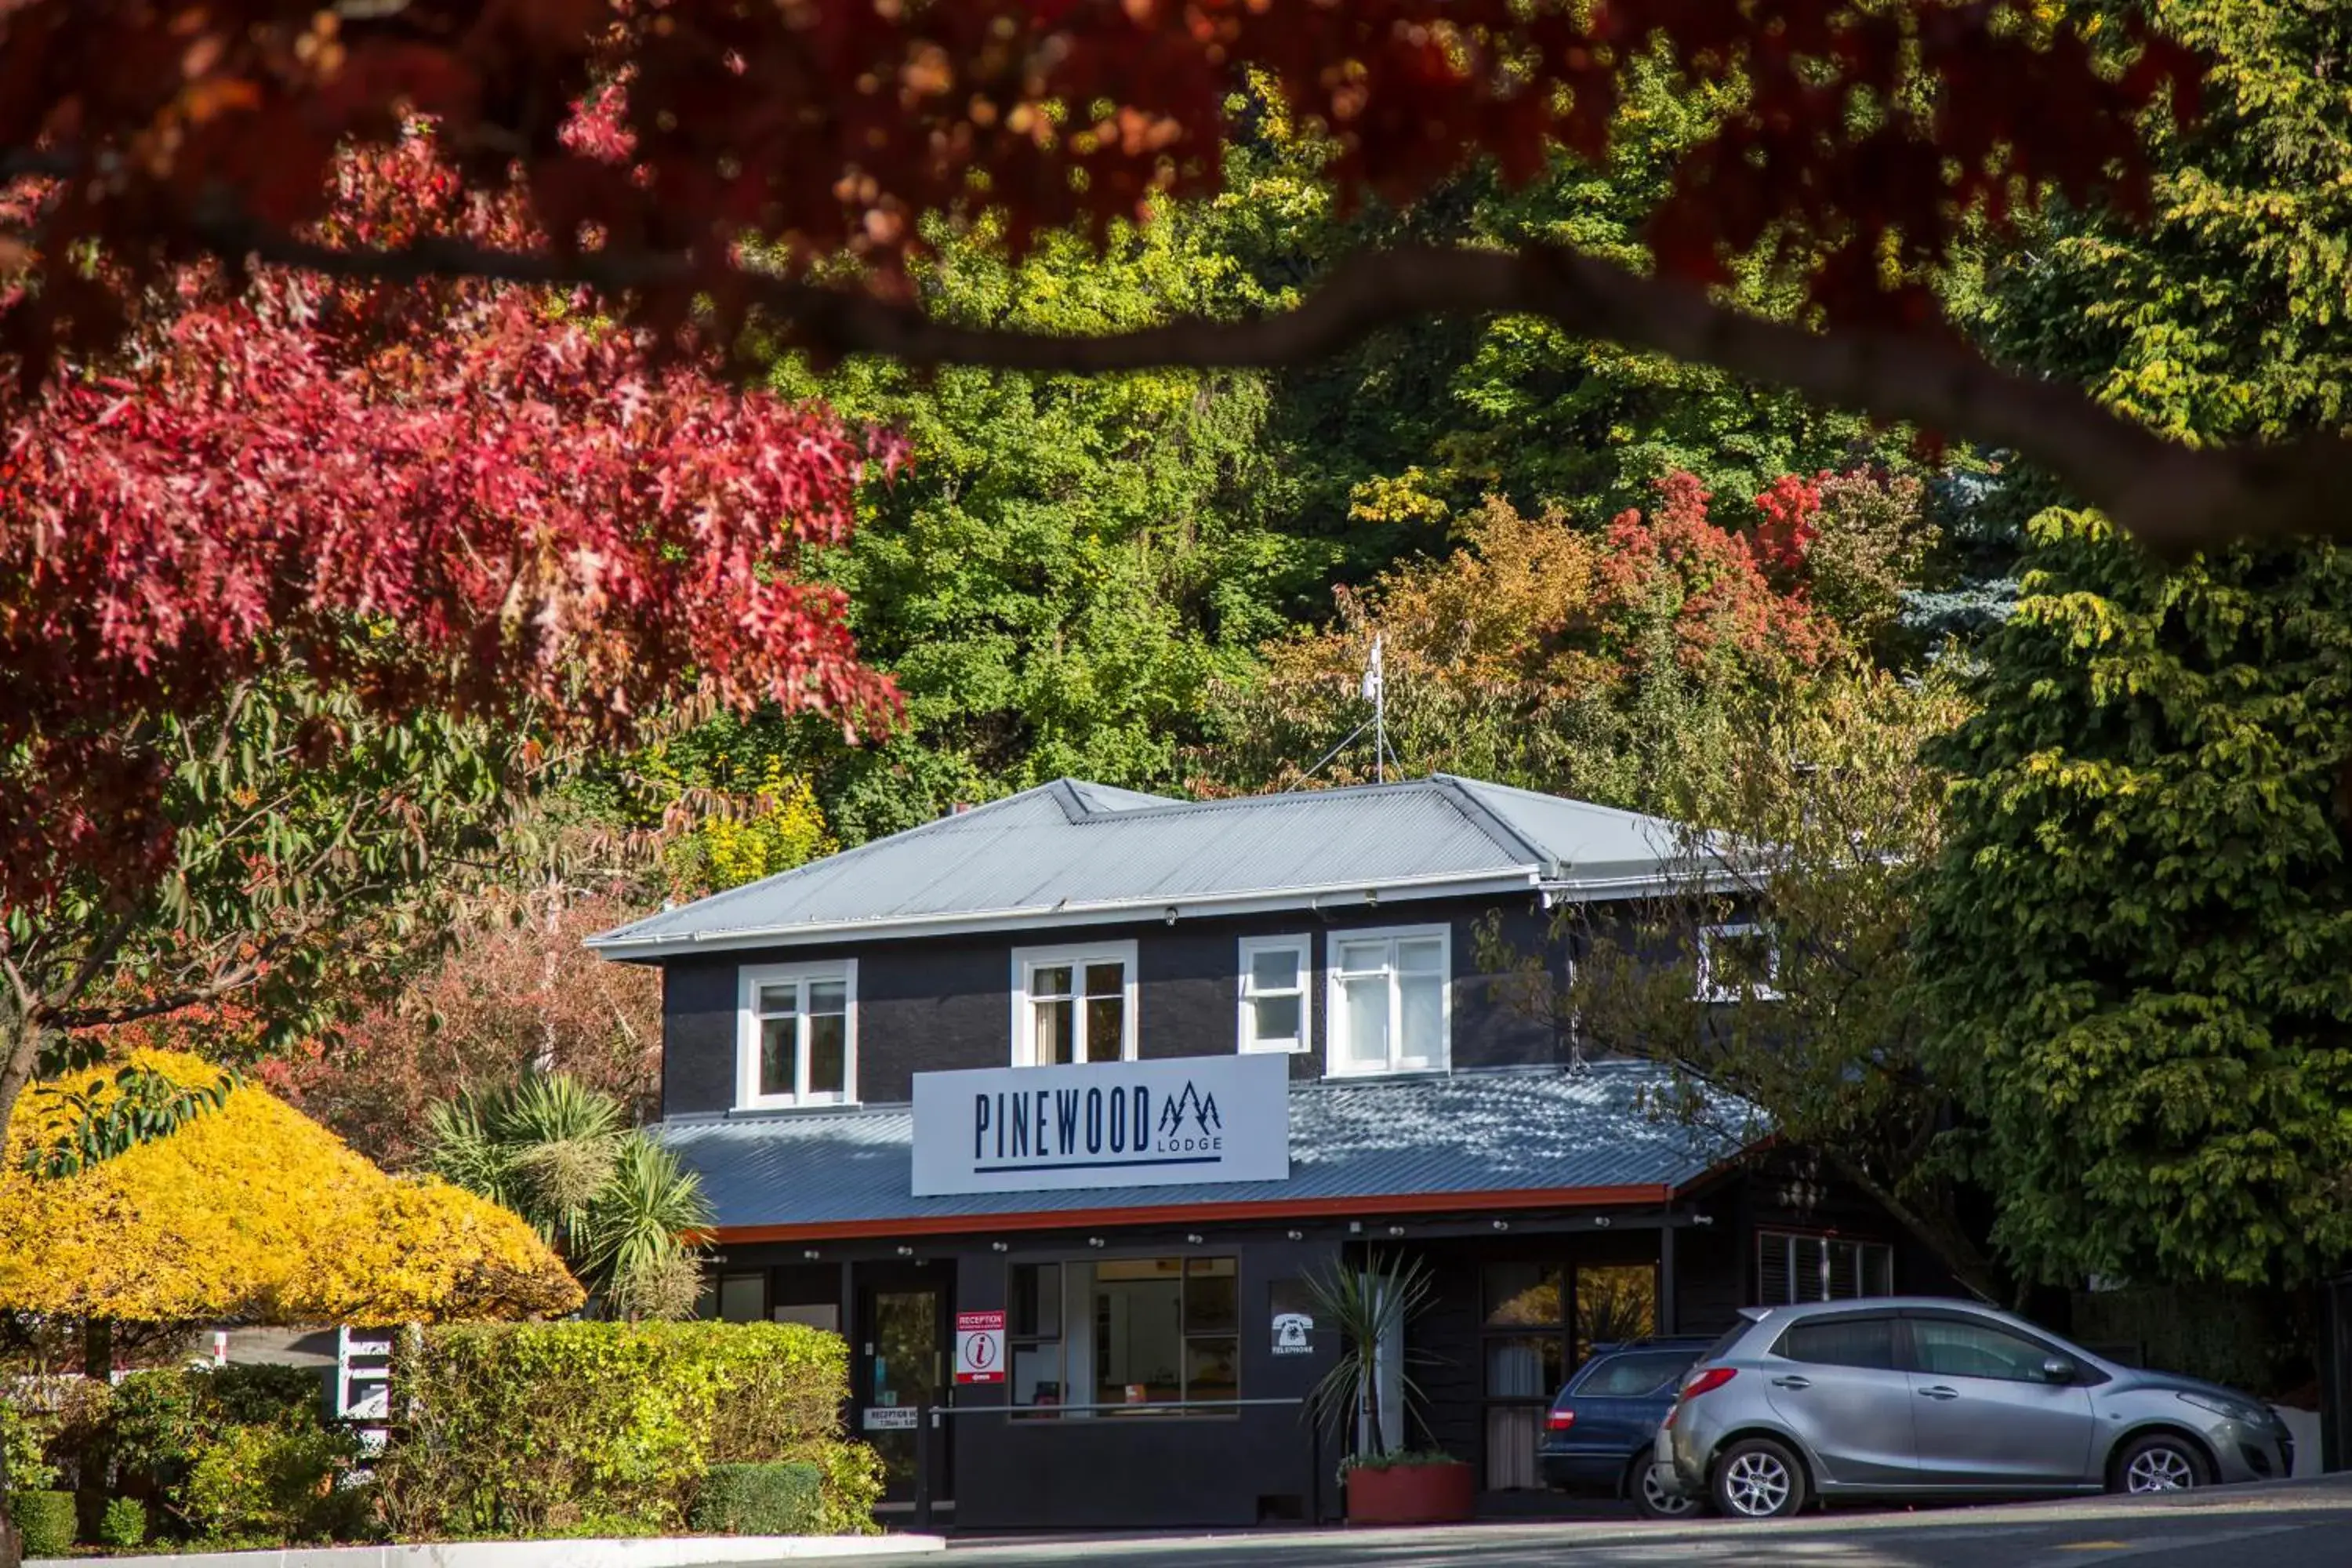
pixel 1376 692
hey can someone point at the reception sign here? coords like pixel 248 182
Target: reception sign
pixel 1167 1122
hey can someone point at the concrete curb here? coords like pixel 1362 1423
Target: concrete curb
pixel 658 1551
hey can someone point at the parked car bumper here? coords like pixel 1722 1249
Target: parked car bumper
pixel 2248 1453
pixel 1581 1470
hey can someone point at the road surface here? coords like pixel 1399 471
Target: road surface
pixel 2289 1524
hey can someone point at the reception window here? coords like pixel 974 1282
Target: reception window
pixel 1133 1335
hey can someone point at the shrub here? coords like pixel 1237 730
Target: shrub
pixel 263 1395
pixel 124 1522
pixel 267 1483
pixel 760 1499
pixel 44 1523
pixel 556 1429
pixel 24 1435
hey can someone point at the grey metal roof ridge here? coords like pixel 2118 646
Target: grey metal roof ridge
pixel 1487 821
pixel 620 935
pixel 1174 807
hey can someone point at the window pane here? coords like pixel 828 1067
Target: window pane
pixel 828 996
pixel 1034 1311
pixel 1138 1333
pixel 1422 999
pixel 1878 1270
pixel 1212 1296
pixel 1615 1304
pixel 778 999
pixel 1774 1288
pixel 828 1035
pixel 1363 957
pixel 1055 1021
pixel 1424 955
pixel 1106 979
pixel 743 1297
pixel 1530 1368
pixel 1632 1377
pixel 1106 1034
pixel 1274 1020
pixel 1050 980
pixel 1521 1294
pixel 1846 1272
pixel 1366 1002
pixel 1852 1341
pixel 1808 1257
pixel 1037 1373
pixel 779 1039
pixel 1209 1368
pixel 1274 969
pixel 1952 1348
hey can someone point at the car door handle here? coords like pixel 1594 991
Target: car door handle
pixel 1939 1391
pixel 1792 1383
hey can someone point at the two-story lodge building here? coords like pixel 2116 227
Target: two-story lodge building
pixel 1088 1084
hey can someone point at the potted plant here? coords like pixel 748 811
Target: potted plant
pixel 1387 1482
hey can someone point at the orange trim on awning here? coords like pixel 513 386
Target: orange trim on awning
pixel 1178 1213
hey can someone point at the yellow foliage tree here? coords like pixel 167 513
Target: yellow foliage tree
pixel 252 1212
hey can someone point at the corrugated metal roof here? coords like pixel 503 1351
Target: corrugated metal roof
pixel 1068 848
pixel 1549 1130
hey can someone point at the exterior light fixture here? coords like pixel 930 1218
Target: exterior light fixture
pixel 1296 1235
pixel 1600 1222
pixel 1171 914
pixel 1502 1225
pixel 906 1252
pixel 1355 1227
pixel 998 1246
pixel 1396 1230
pixel 1094 1241
pixel 1702 1219
pixel 809 1253
pixel 1194 1239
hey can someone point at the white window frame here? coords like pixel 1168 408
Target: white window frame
pixel 1335 1006
pixel 749 979
pixel 1076 956
pixel 1246 1021
pixel 1708 991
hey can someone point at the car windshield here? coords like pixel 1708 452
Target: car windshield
pixel 1632 1375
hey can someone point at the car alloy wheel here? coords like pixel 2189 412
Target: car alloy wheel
pixel 1655 1501
pixel 1758 1480
pixel 2159 1466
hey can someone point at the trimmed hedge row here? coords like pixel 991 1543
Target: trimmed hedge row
pixel 594 1428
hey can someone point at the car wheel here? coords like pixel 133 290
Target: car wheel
pixel 2160 1462
pixel 1651 1500
pixel 1758 1478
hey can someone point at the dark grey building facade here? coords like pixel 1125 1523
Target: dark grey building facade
pixel 1157 1340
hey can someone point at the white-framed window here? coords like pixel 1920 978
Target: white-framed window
pixel 1792 1267
pixel 1074 1004
pixel 1390 1007
pixel 797 1040
pixel 1277 982
pixel 1738 960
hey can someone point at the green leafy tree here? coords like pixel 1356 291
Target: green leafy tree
pixel 1773 975
pixel 616 1205
pixel 2137 934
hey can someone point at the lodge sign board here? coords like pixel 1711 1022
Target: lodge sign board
pixel 1163 1122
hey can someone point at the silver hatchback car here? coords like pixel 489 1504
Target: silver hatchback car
pixel 1917 1396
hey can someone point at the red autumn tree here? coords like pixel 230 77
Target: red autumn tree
pixel 1869 139
pixel 306 582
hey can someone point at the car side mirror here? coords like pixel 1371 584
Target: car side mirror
pixel 2059 1369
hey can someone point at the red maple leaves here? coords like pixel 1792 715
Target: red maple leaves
pixel 458 496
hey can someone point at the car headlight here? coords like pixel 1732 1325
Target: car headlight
pixel 2231 1409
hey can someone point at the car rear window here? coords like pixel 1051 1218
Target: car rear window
pixel 1722 1347
pixel 1841 1341
pixel 1633 1376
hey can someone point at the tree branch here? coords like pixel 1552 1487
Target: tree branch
pixel 2174 499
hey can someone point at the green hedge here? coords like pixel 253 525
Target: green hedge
pixel 760 1499
pixel 578 1428
pixel 44 1523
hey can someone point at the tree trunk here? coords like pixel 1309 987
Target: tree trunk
pixel 1959 1253
pixel 97 1348
pixel 19 1046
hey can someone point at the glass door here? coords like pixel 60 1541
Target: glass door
pixel 900 1371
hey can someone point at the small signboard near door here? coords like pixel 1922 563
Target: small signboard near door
pixel 980 1347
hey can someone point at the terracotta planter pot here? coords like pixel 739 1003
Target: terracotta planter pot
pixel 1411 1494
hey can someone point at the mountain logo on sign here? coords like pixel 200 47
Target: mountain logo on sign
pixel 1202 1107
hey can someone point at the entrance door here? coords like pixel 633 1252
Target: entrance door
pixel 901 1368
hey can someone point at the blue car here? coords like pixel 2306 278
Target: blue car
pixel 1599 1432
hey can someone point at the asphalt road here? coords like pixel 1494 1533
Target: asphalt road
pixel 2293 1524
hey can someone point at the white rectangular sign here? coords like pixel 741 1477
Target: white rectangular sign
pixel 1104 1124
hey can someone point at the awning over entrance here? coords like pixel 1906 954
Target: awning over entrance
pixel 1513 1139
